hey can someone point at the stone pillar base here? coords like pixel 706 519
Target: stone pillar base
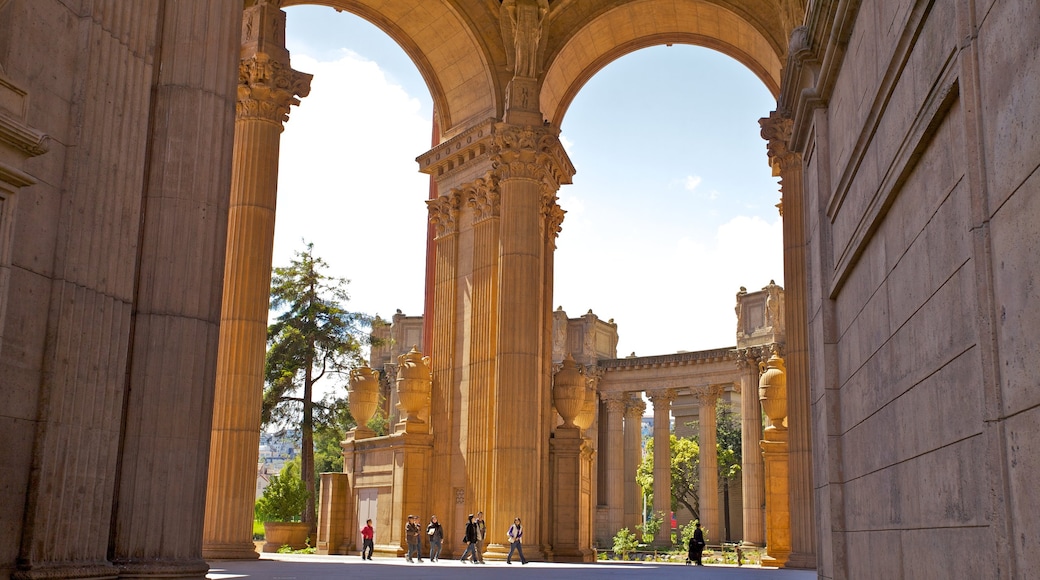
pixel 230 551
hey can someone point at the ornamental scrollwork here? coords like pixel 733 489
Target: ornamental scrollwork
pixel 484 199
pixel 444 213
pixel 267 88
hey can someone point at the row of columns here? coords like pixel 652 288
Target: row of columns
pixel 622 452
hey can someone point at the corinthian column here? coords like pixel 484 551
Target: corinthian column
pixel 615 461
pixel 776 130
pixel 662 400
pixel 634 409
pixel 266 89
pixel 752 482
pixel 444 212
pixel 708 491
pixel 530 165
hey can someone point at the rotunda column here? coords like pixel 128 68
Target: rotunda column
pixel 662 400
pixel 752 482
pixel 266 89
pixel 709 463
pixel 776 130
pixel 634 409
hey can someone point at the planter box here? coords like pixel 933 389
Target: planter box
pixel 292 534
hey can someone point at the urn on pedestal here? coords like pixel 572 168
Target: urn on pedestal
pixel 363 397
pixel 772 391
pixel 414 382
pixel 569 391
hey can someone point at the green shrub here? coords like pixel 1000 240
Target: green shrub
pixel 285 498
pixel 625 543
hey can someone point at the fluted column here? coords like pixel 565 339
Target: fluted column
pixel 752 482
pixel 614 457
pixel 160 495
pixel 267 87
pixel 444 213
pixel 482 197
pixel 708 493
pixel 634 409
pixel 530 164
pixel 662 400
pixel 776 130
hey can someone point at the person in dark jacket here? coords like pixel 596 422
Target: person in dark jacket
pixel 696 547
pixel 436 534
pixel 470 539
pixel 411 534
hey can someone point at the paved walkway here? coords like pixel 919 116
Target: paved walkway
pixel 312 567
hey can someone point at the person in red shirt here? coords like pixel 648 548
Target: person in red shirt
pixel 367 539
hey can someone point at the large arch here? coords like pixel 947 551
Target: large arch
pixel 625 28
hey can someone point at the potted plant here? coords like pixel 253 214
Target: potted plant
pixel 280 507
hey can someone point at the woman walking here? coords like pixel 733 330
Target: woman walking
pixel 516 532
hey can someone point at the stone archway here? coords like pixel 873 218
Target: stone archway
pixel 497 168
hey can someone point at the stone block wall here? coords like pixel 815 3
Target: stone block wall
pixel 921 191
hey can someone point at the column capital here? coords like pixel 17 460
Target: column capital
pixel 553 215
pixel 483 197
pixel 508 151
pixel 267 88
pixel 776 130
pixel 634 408
pixel 661 395
pixel 444 213
pixel 707 395
pixel 615 402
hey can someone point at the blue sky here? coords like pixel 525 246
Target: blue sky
pixel 672 208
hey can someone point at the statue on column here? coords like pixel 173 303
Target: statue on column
pixel 522 28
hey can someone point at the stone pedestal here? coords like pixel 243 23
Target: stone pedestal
pixel 778 516
pixel 570 500
pixel 333 525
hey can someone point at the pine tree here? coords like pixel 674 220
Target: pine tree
pixel 313 338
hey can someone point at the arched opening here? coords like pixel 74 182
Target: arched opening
pixel 673 207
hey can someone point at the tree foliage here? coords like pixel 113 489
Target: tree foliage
pixel 685 463
pixel 313 338
pixel 285 498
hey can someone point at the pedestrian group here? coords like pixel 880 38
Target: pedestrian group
pixel 474 539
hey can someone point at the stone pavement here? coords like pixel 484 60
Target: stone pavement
pixel 312 567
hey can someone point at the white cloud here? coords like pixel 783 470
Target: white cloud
pixel 568 145
pixel 349 183
pixel 691 182
pixel 667 295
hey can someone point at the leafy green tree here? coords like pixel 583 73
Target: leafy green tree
pixel 313 338
pixel 285 498
pixel 685 462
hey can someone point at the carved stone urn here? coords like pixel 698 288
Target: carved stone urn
pixel 414 382
pixel 569 391
pixel 363 396
pixel 772 391
pixel 588 408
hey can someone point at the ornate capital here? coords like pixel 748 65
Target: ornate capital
pixel 634 408
pixel 553 215
pixel 267 88
pixel 483 197
pixel 615 402
pixel 444 213
pixel 776 130
pixel 661 396
pixel 524 152
pixel 707 396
